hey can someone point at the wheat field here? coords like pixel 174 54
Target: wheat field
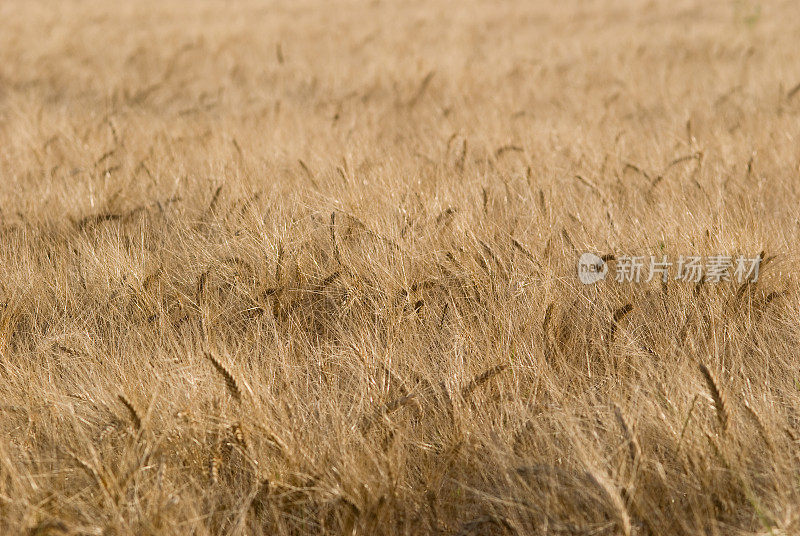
pixel 287 268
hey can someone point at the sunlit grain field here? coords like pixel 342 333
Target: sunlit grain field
pixel 291 268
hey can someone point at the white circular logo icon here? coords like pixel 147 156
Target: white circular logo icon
pixel 591 268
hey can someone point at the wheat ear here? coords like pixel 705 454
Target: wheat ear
pixel 135 415
pixel 630 437
pixel 759 424
pixel 718 395
pixel 230 381
pixel 481 379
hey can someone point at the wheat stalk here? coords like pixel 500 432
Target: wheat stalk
pixel 718 395
pixel 759 424
pixel 213 469
pixel 230 382
pixel 630 437
pixel 336 254
pixel 619 314
pixel 237 431
pixel 134 414
pixel 479 380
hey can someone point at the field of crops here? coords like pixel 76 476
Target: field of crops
pixel 288 268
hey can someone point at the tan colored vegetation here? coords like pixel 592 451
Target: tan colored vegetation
pixel 310 267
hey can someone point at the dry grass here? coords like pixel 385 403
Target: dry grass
pixel 309 267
